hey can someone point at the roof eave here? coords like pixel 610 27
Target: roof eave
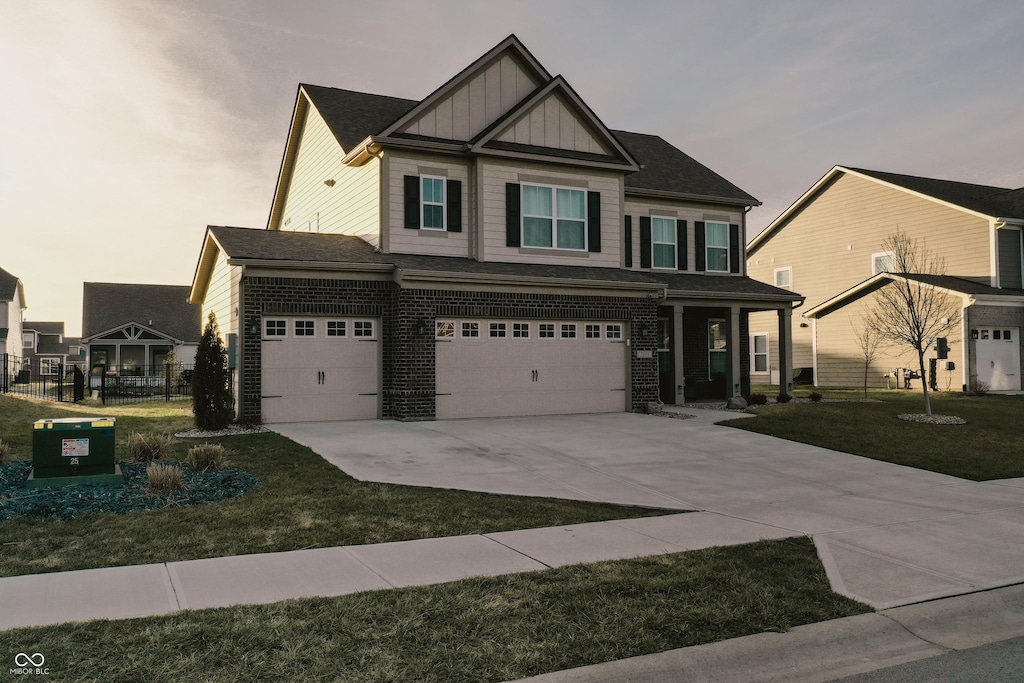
pixel 498 279
pixel 690 197
pixel 291 264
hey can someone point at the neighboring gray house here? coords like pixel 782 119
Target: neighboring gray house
pixel 12 305
pixel 44 346
pixel 129 328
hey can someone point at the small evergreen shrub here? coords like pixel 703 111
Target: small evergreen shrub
pixel 147 447
pixel 5 452
pixel 815 396
pixel 212 400
pixel 783 398
pixel 207 456
pixel 163 478
pixel 758 400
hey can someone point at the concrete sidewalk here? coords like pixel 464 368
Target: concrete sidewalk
pixel 148 590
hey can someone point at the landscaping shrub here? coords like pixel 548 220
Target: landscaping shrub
pixel 815 396
pixel 207 456
pixel 5 452
pixel 212 402
pixel 758 399
pixel 163 478
pixel 147 447
pixel 783 398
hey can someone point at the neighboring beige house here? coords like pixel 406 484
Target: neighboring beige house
pixel 492 249
pixel 827 246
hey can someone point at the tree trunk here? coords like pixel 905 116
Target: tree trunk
pixel 924 384
pixel 865 380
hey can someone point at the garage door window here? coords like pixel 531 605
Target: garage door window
pixel 498 331
pixel 363 329
pixel 305 328
pixel 613 331
pixel 445 329
pixel 569 331
pixel 335 328
pixel 276 328
pixel 470 329
pixel 521 330
pixel 546 331
pixel 593 331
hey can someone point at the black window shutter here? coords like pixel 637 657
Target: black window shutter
pixel 512 213
pixel 681 245
pixel 734 248
pixel 454 198
pixel 645 241
pixel 412 202
pixel 593 221
pixel 629 241
pixel 698 242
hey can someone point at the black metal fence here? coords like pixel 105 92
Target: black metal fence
pixel 49 379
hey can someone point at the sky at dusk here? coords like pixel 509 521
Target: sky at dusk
pixel 128 127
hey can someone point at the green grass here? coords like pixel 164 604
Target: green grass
pixel 303 502
pixel 987 447
pixel 485 629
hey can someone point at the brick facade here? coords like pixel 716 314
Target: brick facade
pixel 407 330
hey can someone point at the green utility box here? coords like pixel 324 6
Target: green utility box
pixel 73 450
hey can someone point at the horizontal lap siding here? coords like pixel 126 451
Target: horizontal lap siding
pixel 221 296
pixel 402 240
pixel 496 175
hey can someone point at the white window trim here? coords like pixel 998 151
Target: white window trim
pixel 586 331
pixel 373 330
pixel 437 329
pixel 767 354
pixel 554 331
pixel 711 350
pixel 497 329
pixel 875 256
pixel 344 329
pixel 295 328
pixel 674 243
pixel 788 269
pixel 618 331
pixel 462 329
pixel 554 218
pixel 728 249
pixel 443 204
pixel 562 329
pixel 268 335
pixel 520 335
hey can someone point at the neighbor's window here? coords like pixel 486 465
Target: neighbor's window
pixel 335 328
pixel 470 329
pixel 362 328
pixel 613 331
pixel 569 331
pixel 784 277
pixel 304 328
pixel 546 331
pixel 554 217
pixel 881 263
pixel 759 352
pixel 276 328
pixel 520 330
pixel 444 329
pixel 432 199
pixel 663 242
pixel 716 245
pixel 26 341
pixel 498 331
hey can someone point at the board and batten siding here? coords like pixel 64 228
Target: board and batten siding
pixel 691 213
pixel 1008 244
pixel 221 297
pixel 462 114
pixel 493 178
pixel 402 240
pixel 550 123
pixel 829 244
pixel 349 207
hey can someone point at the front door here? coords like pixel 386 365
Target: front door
pixel 998 358
pixel 666 362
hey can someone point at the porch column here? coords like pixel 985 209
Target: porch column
pixel 786 350
pixel 677 350
pixel 734 352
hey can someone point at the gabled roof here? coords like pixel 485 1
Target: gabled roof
pixel 161 308
pixel 355 116
pixel 984 201
pixel 9 284
pixel 310 250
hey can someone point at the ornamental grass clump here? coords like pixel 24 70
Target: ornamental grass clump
pixel 5 452
pixel 207 456
pixel 147 447
pixel 163 478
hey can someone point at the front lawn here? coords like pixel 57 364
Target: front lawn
pixel 477 630
pixel 302 502
pixel 987 447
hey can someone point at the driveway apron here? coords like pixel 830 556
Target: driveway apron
pixel 888 535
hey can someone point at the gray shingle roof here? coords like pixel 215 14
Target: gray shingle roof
pixel 8 285
pixel 986 199
pixel 164 308
pixel 44 327
pixel 352 116
pixel 959 284
pixel 249 243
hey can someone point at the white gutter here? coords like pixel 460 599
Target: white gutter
pixel 312 265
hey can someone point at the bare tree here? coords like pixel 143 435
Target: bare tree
pixel 869 340
pixel 910 311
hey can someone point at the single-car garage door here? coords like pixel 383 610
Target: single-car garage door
pixel 499 368
pixel 317 369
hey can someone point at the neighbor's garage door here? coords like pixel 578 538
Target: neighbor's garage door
pixel 317 369
pixel 497 368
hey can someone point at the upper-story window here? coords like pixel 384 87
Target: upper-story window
pixel 663 242
pixel 881 262
pixel 27 341
pixel 554 217
pixel 784 277
pixel 716 244
pixel 432 197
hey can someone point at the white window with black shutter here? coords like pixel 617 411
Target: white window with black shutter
pixel 552 217
pixel 433 203
pixel 717 247
pixel 662 243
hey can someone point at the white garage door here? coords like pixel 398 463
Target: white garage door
pixel 500 368
pixel 317 369
pixel 998 353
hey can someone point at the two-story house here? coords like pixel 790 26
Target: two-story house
pixel 490 250
pixel 12 310
pixel 828 246
pixel 44 346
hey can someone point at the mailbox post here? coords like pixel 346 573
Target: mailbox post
pixel 73 451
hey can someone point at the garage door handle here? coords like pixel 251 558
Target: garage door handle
pixel 373 394
pixel 271 396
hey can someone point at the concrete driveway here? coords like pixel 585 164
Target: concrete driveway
pixel 887 535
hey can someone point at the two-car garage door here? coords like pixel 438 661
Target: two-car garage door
pixel 497 368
